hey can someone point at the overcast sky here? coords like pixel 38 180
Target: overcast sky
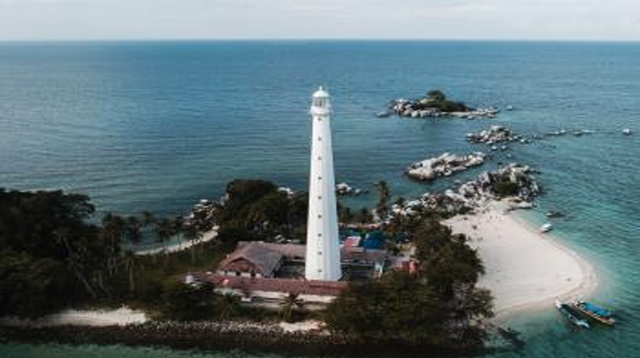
pixel 327 19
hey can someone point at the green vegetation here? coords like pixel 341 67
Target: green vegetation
pixel 506 188
pixel 439 305
pixel 436 99
pixel 257 210
pixel 55 255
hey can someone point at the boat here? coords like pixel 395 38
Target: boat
pixel 554 214
pixel 572 315
pixel 546 227
pixel 597 313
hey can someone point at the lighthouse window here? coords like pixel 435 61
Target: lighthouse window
pixel 320 216
pixel 319 102
pixel 319 234
pixel 320 198
pixel 319 138
pixel 319 158
pixel 319 270
pixel 319 252
pixel 319 178
pixel 319 119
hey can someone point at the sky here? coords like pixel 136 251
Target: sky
pixel 597 20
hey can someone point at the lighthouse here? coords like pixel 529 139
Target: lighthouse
pixel 323 248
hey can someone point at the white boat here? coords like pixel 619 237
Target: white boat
pixel 572 315
pixel 546 227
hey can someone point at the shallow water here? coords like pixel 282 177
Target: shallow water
pixel 157 126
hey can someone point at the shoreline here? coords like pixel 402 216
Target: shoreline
pixel 525 269
pixel 179 246
pixel 230 336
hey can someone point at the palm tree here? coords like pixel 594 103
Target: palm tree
pixel 230 306
pixel 385 195
pixel 133 229
pixel 148 219
pixel 290 303
pixel 114 228
pixel 164 230
pixel 193 235
pixel 129 264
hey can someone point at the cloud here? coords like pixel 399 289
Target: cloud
pixel 234 19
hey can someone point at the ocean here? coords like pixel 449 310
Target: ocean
pixel 158 125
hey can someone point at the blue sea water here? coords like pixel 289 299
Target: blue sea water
pixel 158 125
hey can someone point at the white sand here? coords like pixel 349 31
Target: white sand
pixel 207 236
pixel 303 326
pixel 524 268
pixel 97 318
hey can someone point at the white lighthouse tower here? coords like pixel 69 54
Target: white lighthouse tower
pixel 323 246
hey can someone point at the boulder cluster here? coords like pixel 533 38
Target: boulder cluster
pixel 418 109
pixel 495 134
pixel 344 189
pixel 515 181
pixel 444 165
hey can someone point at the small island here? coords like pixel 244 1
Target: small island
pixel 434 105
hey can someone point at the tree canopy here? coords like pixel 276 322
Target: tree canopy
pixel 438 305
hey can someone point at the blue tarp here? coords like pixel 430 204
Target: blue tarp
pixel 373 240
pixel 597 310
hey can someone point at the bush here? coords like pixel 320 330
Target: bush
pixel 506 188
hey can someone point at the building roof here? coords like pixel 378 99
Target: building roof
pixel 264 256
pixel 303 287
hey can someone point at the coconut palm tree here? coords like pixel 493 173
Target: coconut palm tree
pixel 114 228
pixel 383 202
pixel 129 259
pixel 148 219
pixel 193 235
pixel 164 229
pixel 229 305
pixel 290 304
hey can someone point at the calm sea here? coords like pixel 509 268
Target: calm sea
pixel 158 125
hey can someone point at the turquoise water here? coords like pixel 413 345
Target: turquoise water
pixel 157 126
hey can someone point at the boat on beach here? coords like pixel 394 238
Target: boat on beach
pixel 572 314
pixel 546 227
pixel 599 314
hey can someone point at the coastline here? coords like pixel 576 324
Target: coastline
pixel 525 270
pixel 226 336
pixel 122 316
pixel 183 245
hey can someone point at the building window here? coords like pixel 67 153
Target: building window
pixel 319 216
pixel 320 270
pixel 319 139
pixel 319 234
pixel 319 178
pixel 319 158
pixel 320 197
pixel 319 252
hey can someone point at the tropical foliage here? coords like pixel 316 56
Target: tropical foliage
pixel 436 99
pixel 438 305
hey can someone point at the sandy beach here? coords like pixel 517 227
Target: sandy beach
pixel 524 268
pixel 95 318
pixel 207 236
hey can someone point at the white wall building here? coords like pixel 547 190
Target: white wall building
pixel 323 251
